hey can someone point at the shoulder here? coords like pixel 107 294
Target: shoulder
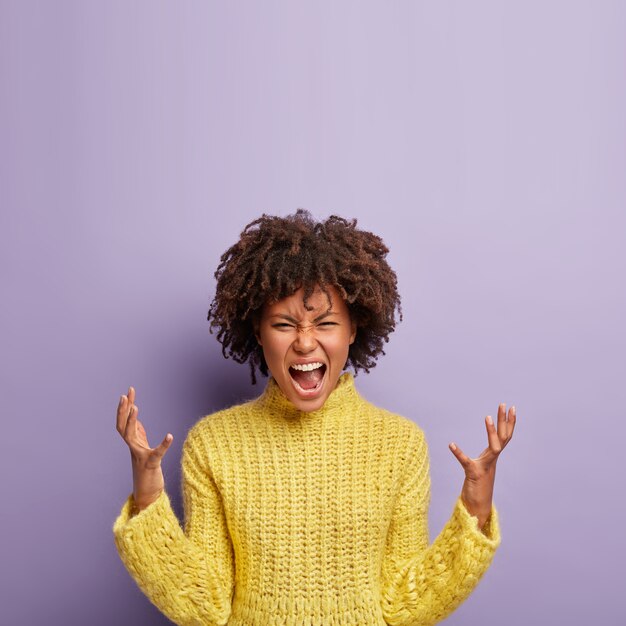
pixel 398 427
pixel 212 432
pixel 207 443
pixel 394 421
pixel 225 419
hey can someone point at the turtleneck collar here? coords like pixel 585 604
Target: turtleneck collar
pixel 343 395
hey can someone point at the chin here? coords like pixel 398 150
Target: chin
pixel 308 401
pixel 309 405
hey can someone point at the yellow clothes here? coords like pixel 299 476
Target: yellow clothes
pixel 298 518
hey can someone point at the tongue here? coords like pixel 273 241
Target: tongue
pixel 307 380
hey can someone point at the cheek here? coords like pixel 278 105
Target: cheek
pixel 340 346
pixel 273 347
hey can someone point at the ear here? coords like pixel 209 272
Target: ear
pixel 353 332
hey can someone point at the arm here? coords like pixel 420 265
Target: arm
pixel 422 584
pixel 188 575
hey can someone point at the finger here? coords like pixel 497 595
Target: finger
pixel 502 423
pixel 123 409
pixel 463 459
pixel 495 445
pixel 131 423
pixel 512 419
pixel 162 448
pixel 122 415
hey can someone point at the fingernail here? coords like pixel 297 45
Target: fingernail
pixel 121 399
pixel 513 409
pixel 489 420
pixel 453 446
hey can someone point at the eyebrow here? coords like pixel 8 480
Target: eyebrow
pixel 295 321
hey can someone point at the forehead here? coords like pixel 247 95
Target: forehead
pixel 318 303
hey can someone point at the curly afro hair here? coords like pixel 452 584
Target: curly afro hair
pixel 276 256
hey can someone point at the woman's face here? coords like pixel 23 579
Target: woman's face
pixel 306 351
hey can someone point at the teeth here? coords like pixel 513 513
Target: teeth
pixel 306 367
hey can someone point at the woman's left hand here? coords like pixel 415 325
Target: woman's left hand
pixel 480 473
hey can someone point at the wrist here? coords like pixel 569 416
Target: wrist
pixel 481 511
pixel 139 503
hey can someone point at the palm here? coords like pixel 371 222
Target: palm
pixel 476 468
pixel 151 456
pixel 141 438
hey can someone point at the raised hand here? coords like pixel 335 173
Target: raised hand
pixel 148 480
pixel 480 473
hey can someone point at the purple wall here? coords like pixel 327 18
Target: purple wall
pixel 486 145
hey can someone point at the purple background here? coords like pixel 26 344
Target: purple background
pixel 484 141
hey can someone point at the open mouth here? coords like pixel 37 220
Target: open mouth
pixel 308 378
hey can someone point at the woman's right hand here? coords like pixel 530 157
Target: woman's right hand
pixel 146 461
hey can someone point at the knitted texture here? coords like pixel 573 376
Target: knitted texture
pixel 300 519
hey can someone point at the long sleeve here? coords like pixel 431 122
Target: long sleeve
pixel 421 583
pixel 188 575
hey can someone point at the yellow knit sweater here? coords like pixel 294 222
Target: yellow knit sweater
pixel 298 518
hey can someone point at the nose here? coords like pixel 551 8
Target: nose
pixel 305 340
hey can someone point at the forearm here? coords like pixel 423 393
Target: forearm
pixel 477 495
pixel 482 512
pixel 427 587
pixel 168 567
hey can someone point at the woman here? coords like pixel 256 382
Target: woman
pixel 308 504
